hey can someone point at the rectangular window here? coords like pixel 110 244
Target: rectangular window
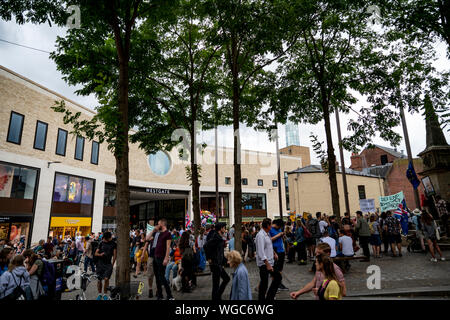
pixel 227 180
pixel 274 183
pixel 94 152
pixel 253 201
pixel 61 142
pixel 260 182
pixel 17 182
pixel 245 181
pixel 15 128
pixel 384 159
pixel 362 192
pixel 286 184
pixel 79 148
pixel 40 136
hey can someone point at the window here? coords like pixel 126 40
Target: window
pixel 94 152
pixel 73 189
pixel 286 184
pixel 384 159
pixel 362 192
pixel 260 182
pixel 245 181
pixel 79 148
pixel 40 136
pixel 61 142
pixel 274 183
pixel 17 182
pixel 252 201
pixel 227 180
pixel 159 163
pixel 15 128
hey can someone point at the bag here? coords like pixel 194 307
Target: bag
pixel 18 293
pixel 438 235
pixel 306 233
pixel 315 230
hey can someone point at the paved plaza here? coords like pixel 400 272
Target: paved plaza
pixel 412 273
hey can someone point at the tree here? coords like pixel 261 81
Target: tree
pixel 184 79
pixel 34 11
pixel 337 54
pixel 99 56
pixel 249 32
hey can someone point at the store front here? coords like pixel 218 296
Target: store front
pixel 208 203
pixel 18 189
pixel 72 205
pixel 254 207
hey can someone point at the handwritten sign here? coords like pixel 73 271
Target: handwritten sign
pixel 367 205
pixel 391 202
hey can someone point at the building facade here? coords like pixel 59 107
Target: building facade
pixel 310 189
pixel 52 182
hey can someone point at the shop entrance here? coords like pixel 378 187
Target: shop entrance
pixel 15 231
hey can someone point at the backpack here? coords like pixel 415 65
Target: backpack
pixel 314 228
pixel 48 277
pixel 18 293
pixel 331 231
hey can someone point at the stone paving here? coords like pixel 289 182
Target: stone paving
pixel 413 270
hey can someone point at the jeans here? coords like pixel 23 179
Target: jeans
pixel 159 270
pixel 264 283
pixel 217 287
pixel 89 262
pixel 172 266
pixel 364 242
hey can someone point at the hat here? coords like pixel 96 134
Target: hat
pixel 417 211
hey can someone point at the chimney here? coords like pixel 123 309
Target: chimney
pixel 356 160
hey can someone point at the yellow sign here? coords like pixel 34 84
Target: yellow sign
pixel 70 222
pixel 305 215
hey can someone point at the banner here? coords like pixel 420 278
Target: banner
pixel 367 205
pixel 391 202
pixel 150 228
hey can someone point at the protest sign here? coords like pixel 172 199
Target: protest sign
pixel 367 205
pixel 391 202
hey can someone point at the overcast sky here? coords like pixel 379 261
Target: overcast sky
pixel 38 67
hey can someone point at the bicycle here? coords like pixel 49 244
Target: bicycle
pixel 85 280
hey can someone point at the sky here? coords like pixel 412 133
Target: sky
pixel 37 66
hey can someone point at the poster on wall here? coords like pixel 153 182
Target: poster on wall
pixel 6 181
pixel 391 202
pixel 367 205
pixel 428 186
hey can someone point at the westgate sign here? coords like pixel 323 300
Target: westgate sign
pixel 157 191
pixel 391 202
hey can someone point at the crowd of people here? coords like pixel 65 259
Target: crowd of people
pixel 175 257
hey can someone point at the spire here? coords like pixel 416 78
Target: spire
pixel 435 136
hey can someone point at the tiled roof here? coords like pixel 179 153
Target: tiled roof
pixel 394 152
pixel 317 168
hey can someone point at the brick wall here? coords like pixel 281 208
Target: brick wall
pixel 373 156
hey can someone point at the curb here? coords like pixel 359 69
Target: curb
pixel 420 291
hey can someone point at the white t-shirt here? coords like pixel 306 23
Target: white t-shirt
pixel 332 244
pixel 322 225
pixel 347 245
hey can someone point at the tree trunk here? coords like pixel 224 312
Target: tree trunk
pixel 195 184
pixel 122 187
pixel 237 153
pixel 331 161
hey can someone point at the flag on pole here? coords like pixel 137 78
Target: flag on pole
pixel 401 214
pixel 412 176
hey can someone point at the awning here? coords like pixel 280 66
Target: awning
pixel 70 222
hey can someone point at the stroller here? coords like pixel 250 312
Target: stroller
pixel 414 243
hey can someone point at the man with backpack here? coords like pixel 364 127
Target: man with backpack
pixel 214 251
pixel 393 227
pixel 363 231
pixel 106 251
pixel 313 227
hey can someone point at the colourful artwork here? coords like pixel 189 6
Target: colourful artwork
pixel 6 175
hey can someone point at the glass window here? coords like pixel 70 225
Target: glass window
pixel 79 148
pixel 6 180
pixel 251 201
pixel 260 182
pixel 61 142
pixel 15 128
pixel 159 163
pixel 25 184
pixel 274 183
pixel 227 180
pixel 88 189
pixel 94 152
pixel 362 192
pixel 384 159
pixel 40 137
pixel 244 181
pixel 74 190
pixel 286 184
pixel 60 192
pixel 17 182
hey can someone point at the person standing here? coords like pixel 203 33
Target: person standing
pixel 416 220
pixel 265 260
pixel 301 242
pixel 375 239
pixel 89 255
pixel 79 243
pixel 150 244
pixel 429 230
pixel 363 231
pixel 313 227
pixel 276 233
pixel 393 227
pixel 240 288
pixel 215 254
pixel 162 257
pixel 107 254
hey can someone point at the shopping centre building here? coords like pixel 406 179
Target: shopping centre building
pixel 52 182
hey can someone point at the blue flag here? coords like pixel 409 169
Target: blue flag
pixel 412 176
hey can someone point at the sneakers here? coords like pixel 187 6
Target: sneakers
pixel 105 297
pixel 282 287
pixel 171 298
pixel 442 259
pixel 99 297
pixel 433 260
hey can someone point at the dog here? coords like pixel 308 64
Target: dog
pixel 176 283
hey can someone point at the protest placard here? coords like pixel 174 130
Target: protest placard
pixel 391 202
pixel 367 205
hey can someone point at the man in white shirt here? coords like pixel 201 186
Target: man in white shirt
pixel 265 259
pixel 345 245
pixel 331 242
pixel 322 225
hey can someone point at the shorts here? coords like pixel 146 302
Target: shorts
pixel 279 264
pixel 430 237
pixel 395 238
pixel 375 240
pixel 104 271
pixel 150 272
